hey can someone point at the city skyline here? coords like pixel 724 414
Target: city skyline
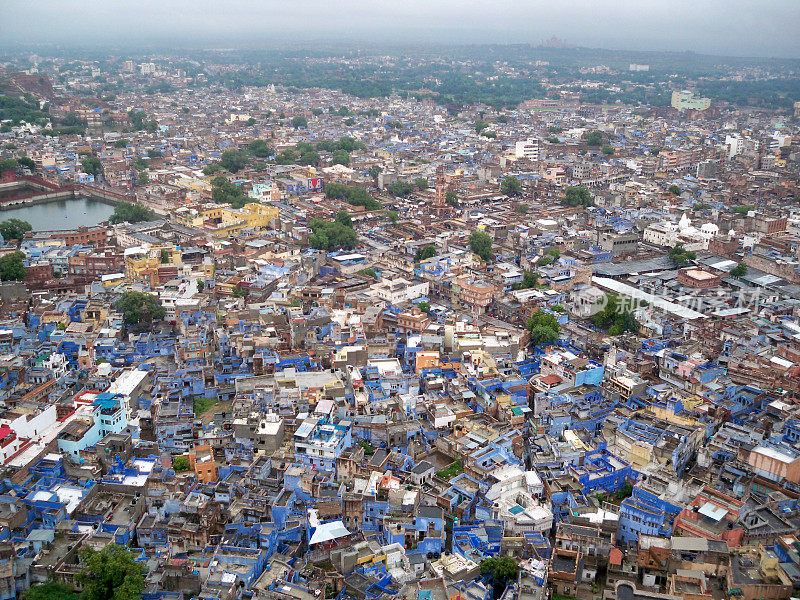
pixel 740 28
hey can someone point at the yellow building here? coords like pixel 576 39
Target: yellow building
pixel 142 261
pixel 221 220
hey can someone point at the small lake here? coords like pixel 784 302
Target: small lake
pixel 61 214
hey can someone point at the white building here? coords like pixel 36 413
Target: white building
pixel 527 149
pixel 734 144
pixel 514 495
pixel 399 291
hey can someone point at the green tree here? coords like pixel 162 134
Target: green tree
pixel 225 192
pixel 299 121
pixel 142 178
pixel 421 183
pixel 451 198
pixel 680 256
pixel 27 162
pixel 8 164
pixel 481 244
pixel 577 196
pixel 374 171
pixel 369 273
pixel 110 574
pixel 480 126
pixel 14 229
pixel 12 266
pixel 128 212
pixel 259 148
pixel 674 190
pixel 138 307
pixel 739 270
pixel 233 160
pixel 91 165
pixel 211 169
pixel 425 253
pixel 522 209
pixel 340 157
pixel 500 571
pixel 510 186
pixel 594 138
pixel 164 256
pixel 180 464
pixel 251 121
pixel 613 319
pixel 544 328
pixel 51 591
pixel 400 189
pixel 608 150
pixel 529 280
pixel 137 118
pixel 343 218
pixel 201 285
pixel 424 306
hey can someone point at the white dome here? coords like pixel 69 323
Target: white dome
pixel 709 228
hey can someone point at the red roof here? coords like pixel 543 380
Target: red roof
pixel 551 379
pixel 5 431
pixel 615 557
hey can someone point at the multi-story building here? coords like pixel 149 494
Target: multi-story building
pixel 528 149
pixel 319 443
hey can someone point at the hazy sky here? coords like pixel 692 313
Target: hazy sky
pixel 736 27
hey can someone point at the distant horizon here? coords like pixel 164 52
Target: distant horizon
pixel 339 45
pixel 722 28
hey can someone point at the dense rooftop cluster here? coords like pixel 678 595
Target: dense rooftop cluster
pixel 378 349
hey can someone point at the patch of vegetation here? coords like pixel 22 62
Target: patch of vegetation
pixel 451 470
pixel 613 319
pixel 543 327
pixel 481 244
pixel 680 256
pixel 128 212
pixel 203 405
pixel 354 195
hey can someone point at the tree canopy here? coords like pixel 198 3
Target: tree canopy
pixel 12 266
pixel 481 244
pixel 259 148
pixel 110 574
pixel 544 328
pixel 577 196
pixel 680 256
pixel 425 253
pixel 354 195
pixel 299 121
pixel 674 190
pixel 613 318
pixel 499 572
pixel 225 192
pixel 333 236
pixel 128 212
pixel 91 165
pixel 138 307
pixel 739 270
pixel 510 186
pixel 400 189
pixel 14 229
pixel 233 160
pixel 594 138
pixel 51 591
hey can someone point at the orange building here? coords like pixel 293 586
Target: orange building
pixel 201 461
